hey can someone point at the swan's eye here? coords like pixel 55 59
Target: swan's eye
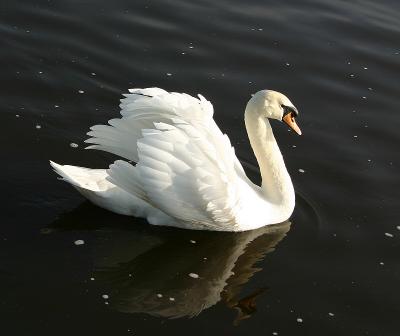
pixel 289 109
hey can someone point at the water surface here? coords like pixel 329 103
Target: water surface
pixel 332 270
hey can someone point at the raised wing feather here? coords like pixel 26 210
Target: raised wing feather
pixel 185 166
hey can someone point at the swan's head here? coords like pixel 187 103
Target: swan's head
pixel 275 105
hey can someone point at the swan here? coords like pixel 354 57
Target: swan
pixel 187 174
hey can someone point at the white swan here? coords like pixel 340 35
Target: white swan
pixel 187 174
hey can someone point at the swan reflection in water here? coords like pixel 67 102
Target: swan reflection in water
pixel 175 273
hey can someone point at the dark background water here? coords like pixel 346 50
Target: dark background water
pixel 338 61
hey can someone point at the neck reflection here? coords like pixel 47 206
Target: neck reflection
pixel 178 273
pixel 169 272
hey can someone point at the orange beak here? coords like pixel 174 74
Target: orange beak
pixel 290 121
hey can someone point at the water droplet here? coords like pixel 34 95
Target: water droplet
pixel 105 296
pixel 194 275
pixel 81 91
pixel 79 242
pixel 193 241
pixel 38 127
pixel 92 279
pixel 169 74
pixel 331 314
pixel 300 320
pixel 301 170
pixel 159 296
pixel 171 299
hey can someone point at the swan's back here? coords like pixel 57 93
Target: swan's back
pixel 186 167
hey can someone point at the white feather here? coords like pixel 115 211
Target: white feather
pixel 186 175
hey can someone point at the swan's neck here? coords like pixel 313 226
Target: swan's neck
pixel 277 187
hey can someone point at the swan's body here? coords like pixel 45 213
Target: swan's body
pixel 187 174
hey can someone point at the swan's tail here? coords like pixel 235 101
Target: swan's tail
pixel 90 179
pixel 94 184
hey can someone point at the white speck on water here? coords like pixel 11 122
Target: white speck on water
pixel 193 275
pixel 169 74
pixel 183 53
pixel 40 72
pixel 331 314
pixel 274 333
pixel 363 97
pixel 382 263
pixel 293 146
pixel 171 299
pixel 106 302
pixel 79 242
pixel 105 296
pixel 17 115
pixel 301 170
pixel 352 75
pixel 369 160
pixel 260 29
pixel 355 136
pixel 191 47
pixel 159 296
pixel 287 64
pixel 300 320
pixel 38 127
pixel 365 68
pixel 130 275
pixel 348 62
pixel 398 227
pixel 370 89
pixel 81 91
pixel 92 279
pixel 73 145
pixel 93 74
pixel 56 106
pixel 193 241
pixel 205 258
pixel 387 234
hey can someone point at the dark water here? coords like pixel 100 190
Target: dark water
pixel 332 266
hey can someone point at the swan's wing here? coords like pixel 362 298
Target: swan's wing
pixel 140 109
pixel 185 166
